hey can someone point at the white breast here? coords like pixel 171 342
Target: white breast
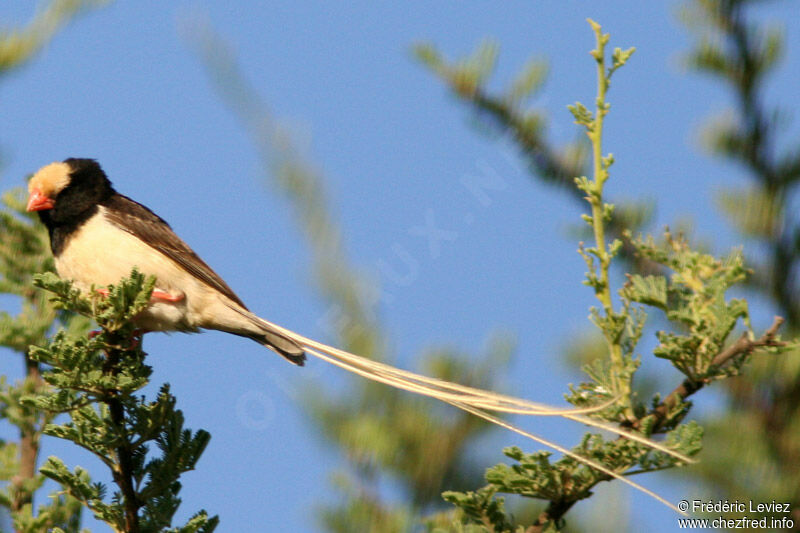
pixel 100 253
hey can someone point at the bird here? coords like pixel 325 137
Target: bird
pixel 97 236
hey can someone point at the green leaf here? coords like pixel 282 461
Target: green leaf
pixel 582 115
pixel 756 212
pixel 648 290
pixel 528 81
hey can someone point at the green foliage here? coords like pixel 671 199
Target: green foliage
pixel 24 249
pixel 688 287
pixel 481 509
pixel 755 213
pixel 741 54
pixel 62 511
pixel 347 290
pixel 507 111
pixel 17 46
pixel 362 510
pixel 95 381
pixel 756 53
pixel 470 73
pixel 760 432
pixel 386 436
pixel 693 298
pixel 421 448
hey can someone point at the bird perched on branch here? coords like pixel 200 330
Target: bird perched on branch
pixel 98 235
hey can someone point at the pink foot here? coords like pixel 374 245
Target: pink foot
pixel 161 296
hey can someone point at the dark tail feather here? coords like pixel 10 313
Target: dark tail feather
pixel 270 336
pixel 285 347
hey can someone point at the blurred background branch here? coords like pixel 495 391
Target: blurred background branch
pixel 399 453
pixel 25 251
pixel 387 436
pixel 760 433
pixel 19 45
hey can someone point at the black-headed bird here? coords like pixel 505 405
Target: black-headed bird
pixel 97 236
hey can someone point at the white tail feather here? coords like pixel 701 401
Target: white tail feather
pixel 559 448
pixel 478 402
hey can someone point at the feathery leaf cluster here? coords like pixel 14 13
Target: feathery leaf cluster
pixel 96 381
pixel 692 298
pixel 24 249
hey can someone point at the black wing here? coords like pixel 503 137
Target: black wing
pixel 142 223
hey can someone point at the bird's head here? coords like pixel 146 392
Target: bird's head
pixel 68 187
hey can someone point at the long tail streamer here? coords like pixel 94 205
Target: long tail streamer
pixel 480 402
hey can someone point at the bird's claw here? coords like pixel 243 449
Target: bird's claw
pixel 157 296
pixel 161 296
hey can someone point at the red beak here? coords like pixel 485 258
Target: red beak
pixel 39 202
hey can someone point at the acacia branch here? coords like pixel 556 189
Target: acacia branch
pixel 28 446
pixel 555 511
pixel 123 470
pixel 744 345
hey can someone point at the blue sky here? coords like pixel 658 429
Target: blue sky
pixel 120 84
